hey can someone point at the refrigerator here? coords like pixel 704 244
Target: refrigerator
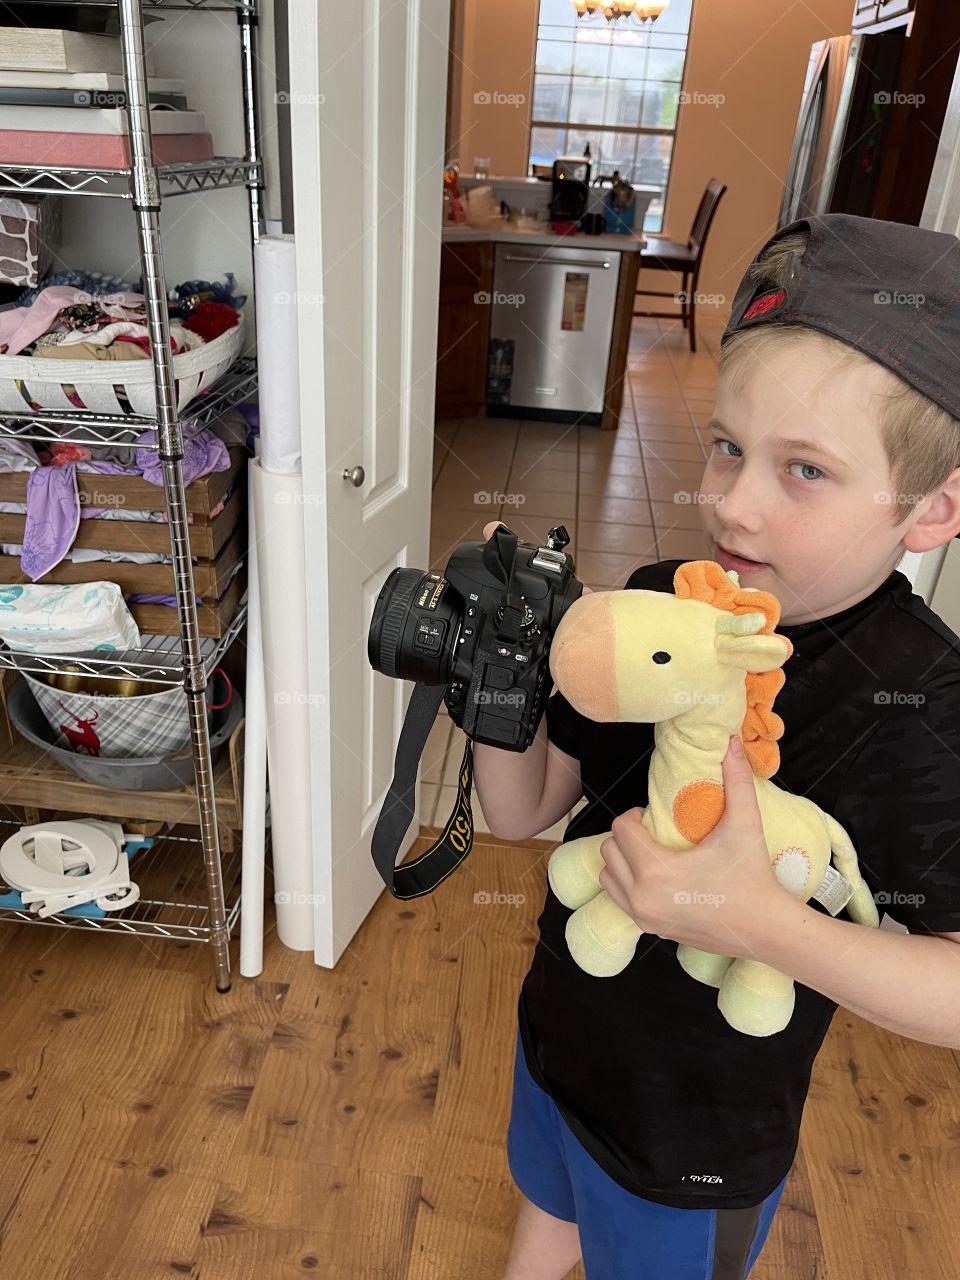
pixel 851 87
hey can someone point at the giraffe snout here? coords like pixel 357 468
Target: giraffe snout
pixel 582 657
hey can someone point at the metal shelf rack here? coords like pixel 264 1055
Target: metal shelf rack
pixel 179 914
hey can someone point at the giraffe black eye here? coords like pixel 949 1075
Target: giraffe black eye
pixel 661 657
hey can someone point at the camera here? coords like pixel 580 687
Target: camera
pixel 482 628
pixel 477 637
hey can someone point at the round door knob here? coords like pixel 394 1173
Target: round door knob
pixel 354 475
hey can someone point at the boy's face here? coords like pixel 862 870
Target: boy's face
pixel 822 528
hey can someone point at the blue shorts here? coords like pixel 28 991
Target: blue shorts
pixel 622 1236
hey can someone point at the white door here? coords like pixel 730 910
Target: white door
pixel 367 98
pixel 941 212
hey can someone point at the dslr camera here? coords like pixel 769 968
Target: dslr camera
pixel 484 638
pixel 478 638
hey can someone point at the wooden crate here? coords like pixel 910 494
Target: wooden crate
pixel 218 542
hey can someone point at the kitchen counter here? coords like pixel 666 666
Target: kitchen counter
pixel 626 242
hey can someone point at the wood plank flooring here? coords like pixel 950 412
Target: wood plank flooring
pixel 350 1125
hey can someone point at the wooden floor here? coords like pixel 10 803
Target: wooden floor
pixel 350 1125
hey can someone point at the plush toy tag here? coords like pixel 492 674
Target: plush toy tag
pixel 834 891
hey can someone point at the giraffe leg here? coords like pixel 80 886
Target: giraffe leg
pixel 756 999
pixel 862 907
pixel 602 938
pixel 703 965
pixel 573 869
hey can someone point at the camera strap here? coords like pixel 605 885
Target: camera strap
pixel 424 873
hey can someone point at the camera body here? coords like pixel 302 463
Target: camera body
pixel 484 628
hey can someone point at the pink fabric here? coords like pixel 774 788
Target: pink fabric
pixel 23 325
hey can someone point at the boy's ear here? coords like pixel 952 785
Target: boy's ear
pixel 754 653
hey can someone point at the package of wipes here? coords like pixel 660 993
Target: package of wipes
pixel 55 618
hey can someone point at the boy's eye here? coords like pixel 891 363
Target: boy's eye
pixel 809 465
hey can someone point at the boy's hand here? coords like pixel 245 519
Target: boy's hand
pixel 488 533
pixel 710 896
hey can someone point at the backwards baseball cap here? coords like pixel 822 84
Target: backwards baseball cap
pixel 888 289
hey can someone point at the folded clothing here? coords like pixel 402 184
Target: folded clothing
pixel 22 325
pixel 119 350
pixel 181 339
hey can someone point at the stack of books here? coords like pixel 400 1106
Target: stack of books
pixel 62 102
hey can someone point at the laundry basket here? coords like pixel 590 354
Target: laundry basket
pixel 26 381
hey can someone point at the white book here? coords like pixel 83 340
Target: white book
pixel 81 80
pixel 50 49
pixel 111 121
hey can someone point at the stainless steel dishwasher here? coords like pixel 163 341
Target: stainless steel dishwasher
pixel 550 330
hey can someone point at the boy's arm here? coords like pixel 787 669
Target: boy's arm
pixel 906 982
pixel 524 793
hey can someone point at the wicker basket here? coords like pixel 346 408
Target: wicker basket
pixel 96 381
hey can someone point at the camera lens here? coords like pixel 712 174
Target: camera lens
pixel 414 625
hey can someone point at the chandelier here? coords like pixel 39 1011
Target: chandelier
pixel 613 10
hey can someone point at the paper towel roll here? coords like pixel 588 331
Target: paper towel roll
pixel 278 515
pixel 278 368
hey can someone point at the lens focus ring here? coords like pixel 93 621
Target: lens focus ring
pixel 394 619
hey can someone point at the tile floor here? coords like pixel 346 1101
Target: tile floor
pixel 619 493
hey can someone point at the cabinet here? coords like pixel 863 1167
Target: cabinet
pixel 869 14
pixel 466 294
pixel 864 13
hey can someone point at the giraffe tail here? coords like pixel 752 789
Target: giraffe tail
pixel 862 907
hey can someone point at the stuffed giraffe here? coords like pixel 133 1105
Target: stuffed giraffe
pixel 701 665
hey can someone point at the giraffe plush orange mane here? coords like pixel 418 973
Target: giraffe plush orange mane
pixel 705 580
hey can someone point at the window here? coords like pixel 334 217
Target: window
pixel 613 85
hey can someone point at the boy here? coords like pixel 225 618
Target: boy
pixel 645 1132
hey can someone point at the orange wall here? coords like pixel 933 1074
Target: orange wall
pixel 752 52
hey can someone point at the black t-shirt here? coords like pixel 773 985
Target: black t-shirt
pixel 672 1102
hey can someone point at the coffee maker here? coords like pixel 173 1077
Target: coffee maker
pixel 571 189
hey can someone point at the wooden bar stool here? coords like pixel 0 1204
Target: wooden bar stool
pixel 670 255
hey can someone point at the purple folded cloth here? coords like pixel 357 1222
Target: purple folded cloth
pixel 202 454
pixel 52 520
pixel 146 597
pixel 53 501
